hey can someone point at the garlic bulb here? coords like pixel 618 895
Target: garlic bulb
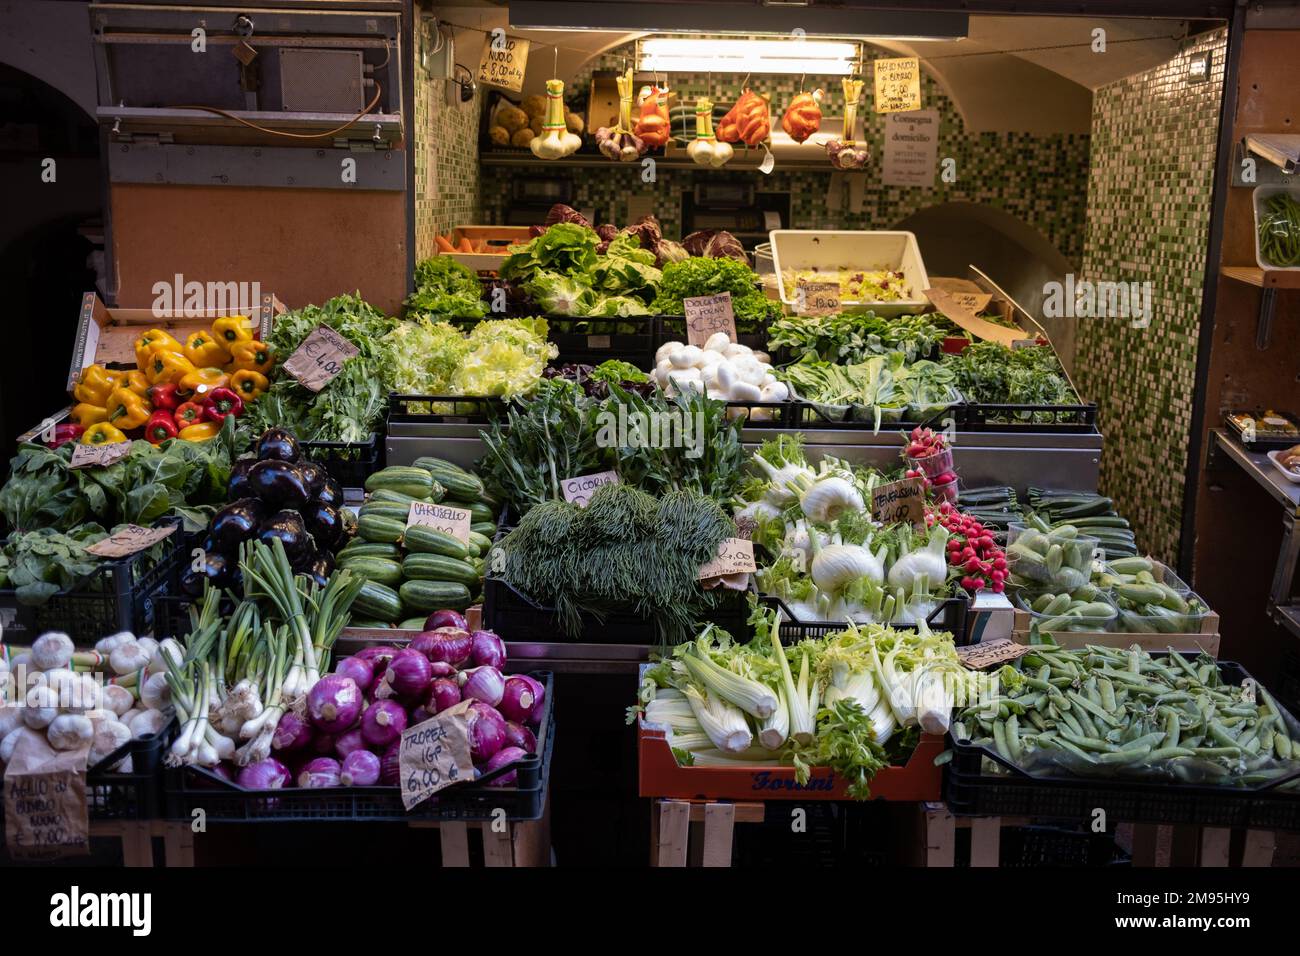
pixel 555 141
pixel 69 731
pixel 52 650
pixel 705 150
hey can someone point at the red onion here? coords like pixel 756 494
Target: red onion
pixel 359 669
pixel 319 773
pixel 445 618
pixel 517 735
pixel 419 715
pixel 539 696
pixel 360 769
pixel 442 669
pixel 390 765
pixel 324 744
pixel 268 774
pixel 499 759
pixel 408 673
pixel 383 722
pixel 487 731
pixel 291 733
pixel 334 704
pixel 222 771
pixel 487 649
pixel 517 699
pixel 378 657
pixel 482 683
pixel 443 693
pixel 450 644
pixel 346 743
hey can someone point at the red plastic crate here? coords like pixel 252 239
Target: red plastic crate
pixel 659 775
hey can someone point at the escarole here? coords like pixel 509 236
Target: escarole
pixel 555 140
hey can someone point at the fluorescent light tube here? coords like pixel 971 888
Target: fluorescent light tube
pixel 818 57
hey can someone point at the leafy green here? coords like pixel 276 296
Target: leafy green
pixel 614 372
pixel 444 286
pixel 854 337
pixel 990 373
pixel 500 357
pixel 566 248
pixel 36 565
pixel 624 270
pixel 701 276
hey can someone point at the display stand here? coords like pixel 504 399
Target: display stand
pixel 697 832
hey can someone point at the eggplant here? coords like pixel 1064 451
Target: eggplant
pixel 315 475
pixel 279 483
pixel 289 528
pixel 214 568
pixel 324 523
pixel 331 493
pixel 239 485
pixel 236 523
pixel 277 444
pixel 321 569
pixel 302 562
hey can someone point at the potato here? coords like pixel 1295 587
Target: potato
pixel 534 105
pixel 499 135
pixel 573 122
pixel 511 118
pixel 523 137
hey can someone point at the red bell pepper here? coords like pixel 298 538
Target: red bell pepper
pixel 65 432
pixel 187 414
pixel 220 402
pixel 164 396
pixel 160 427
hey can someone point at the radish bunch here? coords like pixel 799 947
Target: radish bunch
pixel 972 550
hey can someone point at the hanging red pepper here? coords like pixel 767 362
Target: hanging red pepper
pixel 165 396
pixel 653 127
pixel 160 427
pixel 188 413
pixel 220 402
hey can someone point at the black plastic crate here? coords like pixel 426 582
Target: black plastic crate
pixel 1039 846
pixel 969 791
pixel 192 788
pixel 1051 419
pixel 949 616
pixel 348 463
pixel 113 795
pixel 806 414
pixel 125 600
pixel 672 328
pixel 450 409
pixel 507 611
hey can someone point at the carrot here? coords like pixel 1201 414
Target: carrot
pixel 444 245
pixel 465 246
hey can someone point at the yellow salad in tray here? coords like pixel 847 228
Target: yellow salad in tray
pixel 856 285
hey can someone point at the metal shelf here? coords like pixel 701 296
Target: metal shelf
pixel 1288 615
pixel 1257 465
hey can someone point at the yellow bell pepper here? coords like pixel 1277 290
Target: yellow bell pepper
pixel 127 410
pixel 86 414
pixel 232 329
pixel 134 381
pixel 95 385
pixel 203 380
pixel 200 432
pixel 165 367
pixel 152 341
pixel 102 434
pixel 253 355
pixel 204 351
pixel 248 384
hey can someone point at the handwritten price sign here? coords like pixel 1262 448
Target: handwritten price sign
pixel 434 755
pixel 818 298
pixel 503 61
pixel 98 456
pixel 735 556
pixel 899 501
pixel 579 490
pixel 319 358
pixel 987 653
pixel 898 85
pixel 129 540
pixel 707 315
pixel 444 518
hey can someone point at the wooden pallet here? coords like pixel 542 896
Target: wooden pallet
pixel 697 832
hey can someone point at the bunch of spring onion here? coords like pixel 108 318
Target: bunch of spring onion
pixel 242 673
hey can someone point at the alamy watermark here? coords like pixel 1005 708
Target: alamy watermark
pixel 197 300
pixel 656 429
pixel 1084 299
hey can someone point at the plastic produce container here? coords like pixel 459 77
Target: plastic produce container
pixel 1060 562
pixel 1055 623
pixel 1285 231
pixel 1168 621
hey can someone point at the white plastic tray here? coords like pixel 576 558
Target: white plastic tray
pixel 867 250
pixel 1286 472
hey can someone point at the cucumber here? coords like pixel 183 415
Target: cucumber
pixel 430 463
pixel 416 482
pixel 1040 603
pixel 414 623
pixel 438 567
pixel 389 494
pixel 380 528
pixel 482 541
pixel 480 512
pixel 434 595
pixel 369 549
pixel 459 483
pixel 421 539
pixel 381 570
pixel 388 509
pixel 378 601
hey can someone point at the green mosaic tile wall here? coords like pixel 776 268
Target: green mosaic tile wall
pixel 446 162
pixel 1041 180
pixel 1149 203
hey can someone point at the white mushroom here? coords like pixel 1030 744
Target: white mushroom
pixel 667 349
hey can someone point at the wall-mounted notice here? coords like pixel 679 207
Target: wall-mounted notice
pixel 911 148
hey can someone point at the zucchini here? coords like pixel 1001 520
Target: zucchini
pixel 434 595
pixel 459 483
pixel 430 463
pixel 438 567
pixel 380 528
pixel 1131 565
pixel 387 509
pixel 389 494
pixel 416 482
pixel 382 570
pixel 414 623
pixel 484 529
pixel 421 539
pixel 481 512
pixel 369 549
pixel 371 624
pixel 481 541
pixel 378 601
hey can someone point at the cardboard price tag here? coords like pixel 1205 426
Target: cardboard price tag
pixel 98 456
pixel 319 358
pixel 129 540
pixel 503 62
pixel 435 754
pixel 46 814
pixel 444 518
pixel 949 305
pixel 990 653
pixel 579 490
pixel 817 298
pixel 707 315
pixel 898 85
pixel 899 501
pixel 735 556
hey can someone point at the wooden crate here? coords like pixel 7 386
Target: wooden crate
pixel 498 237
pixel 1206 640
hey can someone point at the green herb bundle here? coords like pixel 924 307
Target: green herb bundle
pixel 852 338
pixel 624 551
pixel 992 374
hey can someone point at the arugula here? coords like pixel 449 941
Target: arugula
pixel 990 373
pixel 854 337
